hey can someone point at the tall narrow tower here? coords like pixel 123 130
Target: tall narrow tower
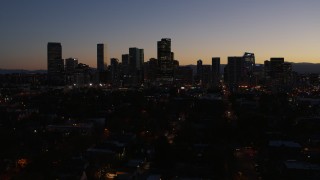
pixel 248 68
pixel 215 71
pixel 234 70
pixel 55 63
pixel 100 57
pixel 165 60
pixel 136 60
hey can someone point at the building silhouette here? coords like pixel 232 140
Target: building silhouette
pixel 100 57
pixel 150 71
pixel 248 69
pixel 55 64
pixel 233 71
pixel 136 59
pixel 278 73
pixel 199 75
pixel 276 66
pixel 115 71
pixel 125 75
pixel 204 74
pixel 71 65
pixel 82 75
pixel 274 69
pixel 70 69
pixel 215 64
pixel 240 71
pixel 206 78
pixel 165 61
pixel 183 75
pixel 125 63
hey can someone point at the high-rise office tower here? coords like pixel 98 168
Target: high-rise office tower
pixel 287 73
pixel 248 68
pixel 204 73
pixel 70 70
pixel 71 65
pixel 172 55
pixel 199 75
pixel 150 70
pixel 100 57
pixel 276 65
pixel 164 49
pixel 125 65
pixel 165 60
pixel 267 69
pixel 249 61
pixel 141 59
pixel 277 70
pixel 199 67
pixel 278 73
pixel 114 69
pixel 234 70
pixel 125 59
pixel 136 60
pixel 215 71
pixel 55 64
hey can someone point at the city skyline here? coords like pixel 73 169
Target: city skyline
pixel 198 29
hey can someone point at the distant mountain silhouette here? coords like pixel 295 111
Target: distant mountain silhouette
pixel 306 67
pixel 297 67
pixel 21 71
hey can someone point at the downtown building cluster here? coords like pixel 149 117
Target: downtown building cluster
pixel 63 72
pixel 242 72
pixel 133 71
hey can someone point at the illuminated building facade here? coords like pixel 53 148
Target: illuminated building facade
pixel 248 69
pixel 165 61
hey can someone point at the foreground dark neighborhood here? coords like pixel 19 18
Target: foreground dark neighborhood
pixel 156 119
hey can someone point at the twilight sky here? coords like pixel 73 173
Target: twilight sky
pixel 199 29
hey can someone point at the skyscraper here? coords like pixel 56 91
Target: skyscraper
pixel 267 69
pixel 55 63
pixel 248 68
pixel 249 61
pixel 100 57
pixel 114 70
pixel 199 71
pixel 150 70
pixel 215 71
pixel 277 73
pixel 164 49
pixel 136 60
pixel 165 61
pixel 276 66
pixel 204 74
pixel 125 65
pixel 71 65
pixel 233 71
pixel 70 69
